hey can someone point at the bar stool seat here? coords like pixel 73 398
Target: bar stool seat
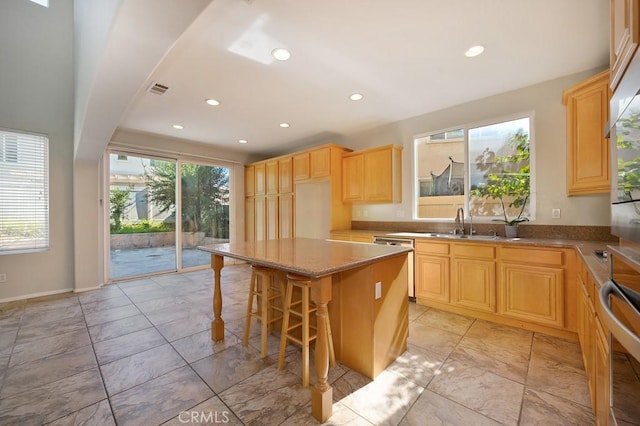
pixel 266 288
pixel 301 331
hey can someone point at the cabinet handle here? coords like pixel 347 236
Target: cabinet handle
pixel 625 336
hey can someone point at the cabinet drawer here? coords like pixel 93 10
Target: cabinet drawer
pixel 532 256
pixel 477 251
pixel 432 247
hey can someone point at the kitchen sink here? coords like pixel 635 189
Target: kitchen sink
pixel 456 236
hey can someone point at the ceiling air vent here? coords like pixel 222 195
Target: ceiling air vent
pixel 157 88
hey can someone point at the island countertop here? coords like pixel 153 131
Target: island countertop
pixel 306 256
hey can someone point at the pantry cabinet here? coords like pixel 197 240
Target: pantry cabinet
pixel 625 36
pixel 272 178
pixel 286 207
pixel 588 151
pixel 373 175
pixel 285 175
pixel 249 181
pixel 260 179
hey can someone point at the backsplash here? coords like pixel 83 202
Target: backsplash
pixel 587 233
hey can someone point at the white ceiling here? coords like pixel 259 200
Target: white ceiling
pixel 405 56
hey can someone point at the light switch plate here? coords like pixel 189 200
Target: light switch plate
pixel 555 213
pixel 378 290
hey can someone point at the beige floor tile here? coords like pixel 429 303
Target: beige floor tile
pixel 51 314
pixel 559 350
pixel 31 351
pixel 186 326
pixel 447 321
pixel 416 310
pixel 293 364
pixel 341 416
pixel 229 367
pixel 433 409
pixel 268 410
pixel 95 318
pixel 498 359
pixel 501 335
pixel 112 329
pixel 258 385
pixel 160 399
pixel 543 408
pixel 133 370
pixel 122 346
pixel 47 370
pixel 49 402
pixel 417 365
pixel 200 345
pixel 43 329
pixel 480 390
pixel 7 339
pixel 210 412
pixel 433 339
pixel 107 292
pixel 96 414
pixel 102 305
pixel 558 379
pixel 385 400
pixel 348 383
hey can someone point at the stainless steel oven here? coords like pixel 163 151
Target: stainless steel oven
pixel 620 311
pixel 405 242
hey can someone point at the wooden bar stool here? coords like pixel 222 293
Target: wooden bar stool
pixel 300 332
pixel 266 287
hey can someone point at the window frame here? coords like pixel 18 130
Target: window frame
pixel 466 126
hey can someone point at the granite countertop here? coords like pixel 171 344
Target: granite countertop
pixel 598 267
pixel 305 256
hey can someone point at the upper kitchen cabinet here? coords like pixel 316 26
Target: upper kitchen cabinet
pixel 249 181
pixel 588 157
pixel 625 36
pixel 315 163
pixel 373 175
pixel 272 177
pixel 260 172
pixel 285 175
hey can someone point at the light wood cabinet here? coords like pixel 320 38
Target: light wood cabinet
pixel 285 175
pixel 286 215
pixel 602 354
pixel 301 166
pixel 358 237
pixel 625 36
pixel 320 163
pixel 260 177
pixel 260 218
pixel 473 277
pixel 249 219
pixel 373 175
pixel 272 178
pixel 249 181
pixel 588 153
pixel 432 264
pixel 272 217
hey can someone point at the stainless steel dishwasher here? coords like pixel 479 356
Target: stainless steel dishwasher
pixel 404 242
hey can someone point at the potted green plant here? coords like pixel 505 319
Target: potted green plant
pixel 508 181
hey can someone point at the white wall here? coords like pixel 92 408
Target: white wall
pixel 36 94
pixel 550 151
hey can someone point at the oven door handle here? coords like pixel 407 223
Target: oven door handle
pixel 626 337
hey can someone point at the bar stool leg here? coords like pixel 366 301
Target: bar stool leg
pixel 247 324
pixel 264 290
pixel 286 303
pixel 305 336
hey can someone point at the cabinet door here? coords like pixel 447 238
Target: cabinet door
pixel 532 293
pixel 285 212
pixel 285 174
pixel 272 177
pixel 588 159
pixel 473 284
pixel 432 278
pixel 249 181
pixel 625 36
pixel 301 166
pixel 602 383
pixel 261 218
pixel 378 176
pixel 272 217
pixel 320 163
pixel 260 179
pixel 249 219
pixel 353 178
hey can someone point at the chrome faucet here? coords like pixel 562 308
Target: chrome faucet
pixel 459 222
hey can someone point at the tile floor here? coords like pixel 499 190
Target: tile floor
pixel 139 353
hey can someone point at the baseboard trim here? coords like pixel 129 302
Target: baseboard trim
pixel 34 295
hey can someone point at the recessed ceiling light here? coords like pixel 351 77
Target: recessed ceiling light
pixel 242 141
pixel 212 102
pixel 281 54
pixel 178 126
pixel 474 51
pixel 356 97
pixel 284 125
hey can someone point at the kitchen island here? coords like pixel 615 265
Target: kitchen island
pixel 366 285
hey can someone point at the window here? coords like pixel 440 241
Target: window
pixel 24 192
pixel 477 168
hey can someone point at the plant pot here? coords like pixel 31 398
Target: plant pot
pixel 511 231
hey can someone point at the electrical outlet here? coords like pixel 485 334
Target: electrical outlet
pixel 378 290
pixel 3 278
pixel 555 213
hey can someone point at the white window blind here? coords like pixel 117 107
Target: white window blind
pixel 24 192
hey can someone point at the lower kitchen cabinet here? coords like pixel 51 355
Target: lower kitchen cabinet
pixel 473 277
pixel 532 293
pixel 432 271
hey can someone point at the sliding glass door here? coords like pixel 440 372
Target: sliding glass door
pixel 161 210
